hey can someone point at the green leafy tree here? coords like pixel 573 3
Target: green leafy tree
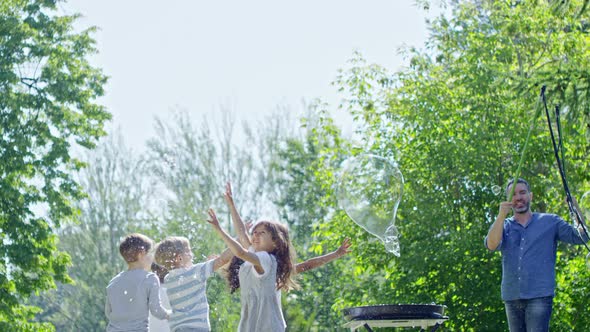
pixel 47 106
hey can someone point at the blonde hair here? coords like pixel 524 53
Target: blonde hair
pixel 169 249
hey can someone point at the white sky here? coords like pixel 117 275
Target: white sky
pixel 249 55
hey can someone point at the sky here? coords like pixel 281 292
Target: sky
pixel 249 56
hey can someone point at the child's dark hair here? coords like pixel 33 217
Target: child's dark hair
pixel 134 244
pixel 232 273
pixel 160 271
pixel 283 252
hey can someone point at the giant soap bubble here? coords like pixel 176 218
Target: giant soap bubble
pixel 370 190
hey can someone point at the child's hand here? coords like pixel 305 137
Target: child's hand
pixel 212 256
pixel 344 248
pixel 229 198
pixel 213 219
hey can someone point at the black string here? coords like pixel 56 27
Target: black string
pixel 557 149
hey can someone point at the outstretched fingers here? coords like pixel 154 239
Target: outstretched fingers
pixel 228 195
pixel 344 247
pixel 212 218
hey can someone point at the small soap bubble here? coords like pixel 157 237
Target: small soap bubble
pixel 497 190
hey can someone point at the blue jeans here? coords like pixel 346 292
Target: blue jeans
pixel 529 315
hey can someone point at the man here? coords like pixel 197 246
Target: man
pixel 528 243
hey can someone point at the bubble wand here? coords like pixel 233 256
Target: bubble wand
pixel 526 143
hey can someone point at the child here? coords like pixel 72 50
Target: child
pixel 186 283
pixel 268 268
pixel 132 293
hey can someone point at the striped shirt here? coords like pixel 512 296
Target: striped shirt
pixel 187 291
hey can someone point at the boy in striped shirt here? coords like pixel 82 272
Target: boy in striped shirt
pixel 186 283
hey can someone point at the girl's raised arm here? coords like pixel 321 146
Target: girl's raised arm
pixel 312 263
pixel 223 259
pixel 236 248
pixel 239 226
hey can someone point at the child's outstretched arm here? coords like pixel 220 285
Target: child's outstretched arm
pixel 321 260
pixel 222 259
pixel 239 226
pixel 233 245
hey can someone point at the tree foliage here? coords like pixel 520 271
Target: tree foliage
pixel 47 106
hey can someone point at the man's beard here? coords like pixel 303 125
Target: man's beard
pixel 524 208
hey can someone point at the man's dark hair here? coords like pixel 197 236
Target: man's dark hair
pixel 519 180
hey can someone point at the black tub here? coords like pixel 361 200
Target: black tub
pixel 395 311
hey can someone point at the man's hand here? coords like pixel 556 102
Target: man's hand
pixel 505 208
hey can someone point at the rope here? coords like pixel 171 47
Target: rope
pixel 558 149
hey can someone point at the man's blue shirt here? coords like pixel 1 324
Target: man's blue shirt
pixel 529 253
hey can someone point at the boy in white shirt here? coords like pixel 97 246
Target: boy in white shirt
pixel 133 293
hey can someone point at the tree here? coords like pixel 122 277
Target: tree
pixel 47 106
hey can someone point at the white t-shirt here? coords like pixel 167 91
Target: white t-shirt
pixel 261 301
pixel 130 295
